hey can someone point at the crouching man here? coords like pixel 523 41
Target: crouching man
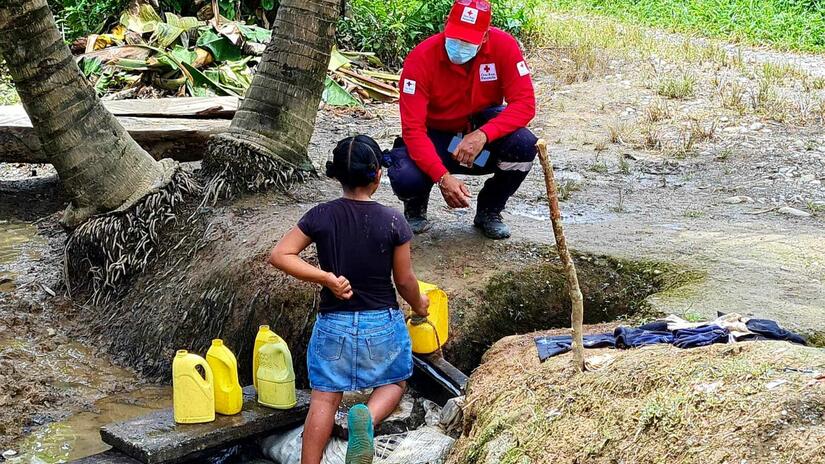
pixel 454 120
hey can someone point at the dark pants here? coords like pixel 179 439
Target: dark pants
pixel 511 158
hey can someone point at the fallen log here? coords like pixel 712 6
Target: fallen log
pixel 166 128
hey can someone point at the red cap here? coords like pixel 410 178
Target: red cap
pixel 469 20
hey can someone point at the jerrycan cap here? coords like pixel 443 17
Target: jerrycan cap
pixel 182 352
pixel 217 342
pixel 263 327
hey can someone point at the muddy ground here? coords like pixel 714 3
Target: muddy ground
pixel 714 209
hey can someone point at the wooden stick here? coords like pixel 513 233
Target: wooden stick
pixel 573 289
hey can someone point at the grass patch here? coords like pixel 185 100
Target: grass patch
pixel 647 405
pixel 677 86
pixel 785 24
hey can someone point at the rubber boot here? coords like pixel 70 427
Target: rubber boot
pixel 360 446
pixel 492 225
pixel 415 210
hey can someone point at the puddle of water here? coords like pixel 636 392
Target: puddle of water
pixel 79 436
pixel 14 239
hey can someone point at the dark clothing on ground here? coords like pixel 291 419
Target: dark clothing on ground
pixel 629 337
pixel 511 158
pixel 700 336
pixel 771 330
pixel 357 240
pixel 657 333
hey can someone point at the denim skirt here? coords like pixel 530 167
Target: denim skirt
pixel 355 350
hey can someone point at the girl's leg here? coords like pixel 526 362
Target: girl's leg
pixel 318 426
pixel 384 400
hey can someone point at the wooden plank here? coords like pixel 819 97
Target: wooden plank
pixel 155 438
pixel 177 138
pixel 190 107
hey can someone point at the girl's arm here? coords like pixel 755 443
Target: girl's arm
pixel 406 282
pixel 285 257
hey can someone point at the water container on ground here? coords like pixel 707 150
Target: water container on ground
pixel 228 392
pixel 193 394
pixel 276 377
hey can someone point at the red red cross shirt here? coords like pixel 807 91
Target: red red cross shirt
pixel 437 94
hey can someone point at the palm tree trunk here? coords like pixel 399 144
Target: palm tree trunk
pixel 101 167
pixel 266 145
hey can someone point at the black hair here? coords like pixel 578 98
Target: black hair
pixel 355 161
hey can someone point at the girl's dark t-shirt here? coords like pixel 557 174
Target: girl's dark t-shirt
pixel 357 239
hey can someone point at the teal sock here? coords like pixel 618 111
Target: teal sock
pixel 360 447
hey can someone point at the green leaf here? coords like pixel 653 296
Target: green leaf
pixel 255 33
pixel 336 60
pixel 185 22
pixel 146 20
pixel 268 5
pixel 199 79
pixel 165 35
pixel 92 66
pixel 175 56
pixel 222 49
pixel 335 95
pixel 127 63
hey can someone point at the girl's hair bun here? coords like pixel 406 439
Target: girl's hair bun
pixel 355 161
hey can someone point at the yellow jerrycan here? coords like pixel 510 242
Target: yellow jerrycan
pixel 428 338
pixel 228 392
pixel 193 396
pixel 260 339
pixel 276 378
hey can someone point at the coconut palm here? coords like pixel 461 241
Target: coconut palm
pixel 105 173
pixel 266 145
pixel 100 165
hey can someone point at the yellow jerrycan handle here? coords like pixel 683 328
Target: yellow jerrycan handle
pixel 206 382
pixel 279 349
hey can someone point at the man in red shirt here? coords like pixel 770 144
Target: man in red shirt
pixel 454 84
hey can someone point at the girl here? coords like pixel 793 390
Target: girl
pixel 359 340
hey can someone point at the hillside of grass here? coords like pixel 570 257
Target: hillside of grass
pixel 785 24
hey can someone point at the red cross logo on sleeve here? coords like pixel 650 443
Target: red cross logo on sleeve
pixel 487 68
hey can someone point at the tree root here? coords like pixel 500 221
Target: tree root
pixel 236 165
pixel 106 250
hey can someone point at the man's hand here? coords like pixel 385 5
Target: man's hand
pixel 422 309
pixel 455 193
pixel 469 147
pixel 339 286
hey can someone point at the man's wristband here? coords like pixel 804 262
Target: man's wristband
pixel 440 182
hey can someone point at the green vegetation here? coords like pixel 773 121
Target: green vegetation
pixel 391 28
pixel 790 24
pixel 79 18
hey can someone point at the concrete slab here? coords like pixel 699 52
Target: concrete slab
pixel 155 438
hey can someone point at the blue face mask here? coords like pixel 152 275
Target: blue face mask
pixel 459 51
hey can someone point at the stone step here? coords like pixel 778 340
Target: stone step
pixel 156 438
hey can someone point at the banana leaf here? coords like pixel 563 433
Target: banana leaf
pixel 255 33
pixel 177 55
pixel 199 79
pixel 130 64
pixel 335 95
pixel 91 66
pixel 222 49
pixel 183 22
pixel 144 20
pixel 337 60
